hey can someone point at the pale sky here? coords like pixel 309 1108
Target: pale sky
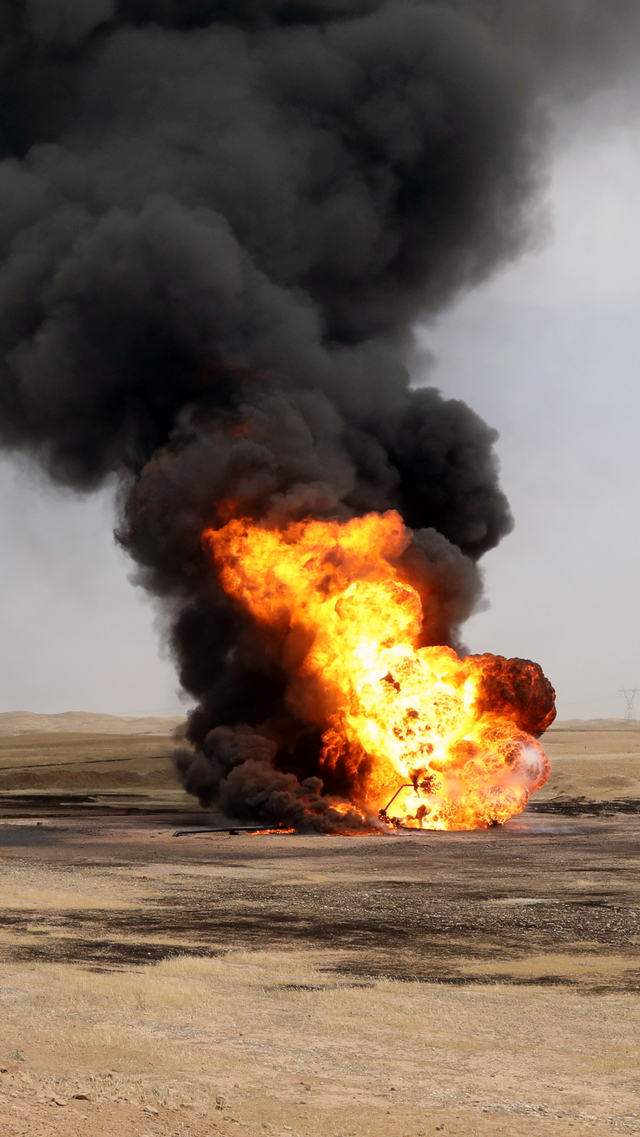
pixel 549 353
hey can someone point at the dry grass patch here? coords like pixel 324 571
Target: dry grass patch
pixel 46 889
pixel 583 970
pixel 279 1039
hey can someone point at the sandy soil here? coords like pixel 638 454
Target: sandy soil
pixel 483 983
pixel 26 722
pixel 601 764
pixel 66 755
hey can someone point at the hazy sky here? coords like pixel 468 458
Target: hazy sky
pixel 549 353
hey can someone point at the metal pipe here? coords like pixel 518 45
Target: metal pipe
pixel 232 829
pixel 383 814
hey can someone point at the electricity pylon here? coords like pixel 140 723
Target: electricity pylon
pixel 630 698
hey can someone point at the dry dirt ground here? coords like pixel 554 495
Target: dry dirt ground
pixel 220 986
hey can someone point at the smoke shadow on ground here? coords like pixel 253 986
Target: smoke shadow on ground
pixel 577 806
pixel 27 836
pixel 412 933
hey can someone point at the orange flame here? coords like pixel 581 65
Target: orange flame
pixel 416 722
pixel 269 832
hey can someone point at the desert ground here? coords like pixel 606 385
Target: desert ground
pixel 466 983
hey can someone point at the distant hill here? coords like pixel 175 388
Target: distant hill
pixel 84 722
pixel 594 724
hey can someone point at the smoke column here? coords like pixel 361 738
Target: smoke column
pixel 218 223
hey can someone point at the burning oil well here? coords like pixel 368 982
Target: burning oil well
pixel 218 223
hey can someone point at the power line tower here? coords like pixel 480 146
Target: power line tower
pixel 630 697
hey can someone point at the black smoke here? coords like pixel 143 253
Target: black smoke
pixel 218 223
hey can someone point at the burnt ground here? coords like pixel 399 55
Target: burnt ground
pixel 430 907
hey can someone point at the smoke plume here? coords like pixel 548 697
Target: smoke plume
pixel 219 220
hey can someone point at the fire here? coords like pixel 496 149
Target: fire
pixel 270 832
pixel 443 736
